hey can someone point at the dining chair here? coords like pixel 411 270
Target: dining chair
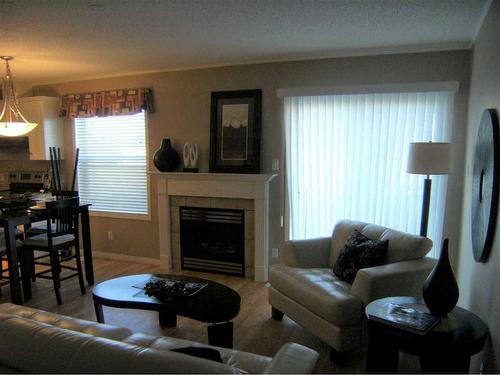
pixel 40 226
pixel 4 280
pixel 3 270
pixel 61 233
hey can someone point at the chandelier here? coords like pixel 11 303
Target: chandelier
pixel 12 122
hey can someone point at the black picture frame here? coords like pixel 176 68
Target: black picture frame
pixel 235 131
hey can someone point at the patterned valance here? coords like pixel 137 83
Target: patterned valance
pixel 107 103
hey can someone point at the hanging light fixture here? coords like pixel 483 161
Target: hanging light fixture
pixel 12 122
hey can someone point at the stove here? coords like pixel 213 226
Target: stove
pixel 23 187
pixel 22 182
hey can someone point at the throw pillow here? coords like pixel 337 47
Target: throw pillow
pixel 200 352
pixel 359 252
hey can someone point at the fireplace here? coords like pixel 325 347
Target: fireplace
pixel 212 240
pixel 248 192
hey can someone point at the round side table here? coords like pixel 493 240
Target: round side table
pixel 446 348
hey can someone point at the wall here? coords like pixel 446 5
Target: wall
pixel 480 282
pixel 183 114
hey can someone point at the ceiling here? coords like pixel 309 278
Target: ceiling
pixel 66 40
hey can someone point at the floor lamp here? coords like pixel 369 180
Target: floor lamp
pixel 428 158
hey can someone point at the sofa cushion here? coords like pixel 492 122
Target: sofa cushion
pixel 402 246
pixel 66 322
pixel 359 252
pixel 320 291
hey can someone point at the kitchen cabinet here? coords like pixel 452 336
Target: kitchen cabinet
pixel 43 110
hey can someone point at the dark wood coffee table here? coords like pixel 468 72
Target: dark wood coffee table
pixel 215 304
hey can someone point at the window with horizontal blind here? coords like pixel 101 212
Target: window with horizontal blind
pixel 112 170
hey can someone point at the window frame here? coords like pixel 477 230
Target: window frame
pixel 118 215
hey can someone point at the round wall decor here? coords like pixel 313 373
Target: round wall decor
pixel 485 185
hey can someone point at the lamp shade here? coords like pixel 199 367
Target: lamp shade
pixel 429 158
pixel 12 122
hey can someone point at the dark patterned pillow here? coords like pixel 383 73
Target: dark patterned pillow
pixel 359 252
pixel 200 352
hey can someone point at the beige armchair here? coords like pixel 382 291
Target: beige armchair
pixel 305 288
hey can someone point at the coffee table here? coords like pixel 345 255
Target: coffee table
pixel 216 304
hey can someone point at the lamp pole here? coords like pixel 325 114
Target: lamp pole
pixel 425 206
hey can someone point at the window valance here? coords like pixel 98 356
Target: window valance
pixel 107 103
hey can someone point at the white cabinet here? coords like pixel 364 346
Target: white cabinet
pixel 43 110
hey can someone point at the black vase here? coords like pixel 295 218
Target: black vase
pixel 166 159
pixel 441 289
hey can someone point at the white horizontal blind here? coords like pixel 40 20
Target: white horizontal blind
pixel 347 155
pixel 112 170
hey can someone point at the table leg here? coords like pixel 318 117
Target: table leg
pixel 167 319
pixel 27 271
pixel 14 279
pixel 381 356
pixel 445 361
pixel 221 334
pixel 98 312
pixel 87 245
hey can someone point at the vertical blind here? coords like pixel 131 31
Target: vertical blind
pixel 112 171
pixel 347 155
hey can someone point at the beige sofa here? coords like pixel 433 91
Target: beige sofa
pixel 305 288
pixel 32 340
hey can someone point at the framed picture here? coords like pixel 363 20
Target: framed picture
pixel 235 131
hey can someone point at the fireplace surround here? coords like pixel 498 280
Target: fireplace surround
pixel 248 192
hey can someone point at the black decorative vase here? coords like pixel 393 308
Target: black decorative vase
pixel 166 159
pixel 441 289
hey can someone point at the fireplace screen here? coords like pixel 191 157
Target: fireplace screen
pixel 213 240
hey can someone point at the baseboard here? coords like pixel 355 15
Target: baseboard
pixel 126 258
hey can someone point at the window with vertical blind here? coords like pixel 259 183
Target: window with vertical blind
pixel 347 156
pixel 112 170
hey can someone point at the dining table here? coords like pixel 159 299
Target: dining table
pixel 20 282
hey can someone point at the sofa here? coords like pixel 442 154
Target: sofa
pixel 304 287
pixel 33 340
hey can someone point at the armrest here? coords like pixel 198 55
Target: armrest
pixel 313 253
pixel 293 358
pixel 394 279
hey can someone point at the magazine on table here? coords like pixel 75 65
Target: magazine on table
pixel 406 318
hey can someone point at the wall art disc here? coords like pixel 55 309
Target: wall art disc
pixel 485 185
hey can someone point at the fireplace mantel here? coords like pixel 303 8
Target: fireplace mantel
pixel 216 185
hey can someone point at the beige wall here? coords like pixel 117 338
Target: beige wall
pixel 480 282
pixel 183 114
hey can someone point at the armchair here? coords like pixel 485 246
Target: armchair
pixel 305 288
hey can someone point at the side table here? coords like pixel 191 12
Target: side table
pixel 446 348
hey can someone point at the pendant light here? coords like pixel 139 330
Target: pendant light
pixel 12 122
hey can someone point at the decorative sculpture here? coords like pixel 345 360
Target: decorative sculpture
pixel 440 290
pixel 191 155
pixel 166 159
